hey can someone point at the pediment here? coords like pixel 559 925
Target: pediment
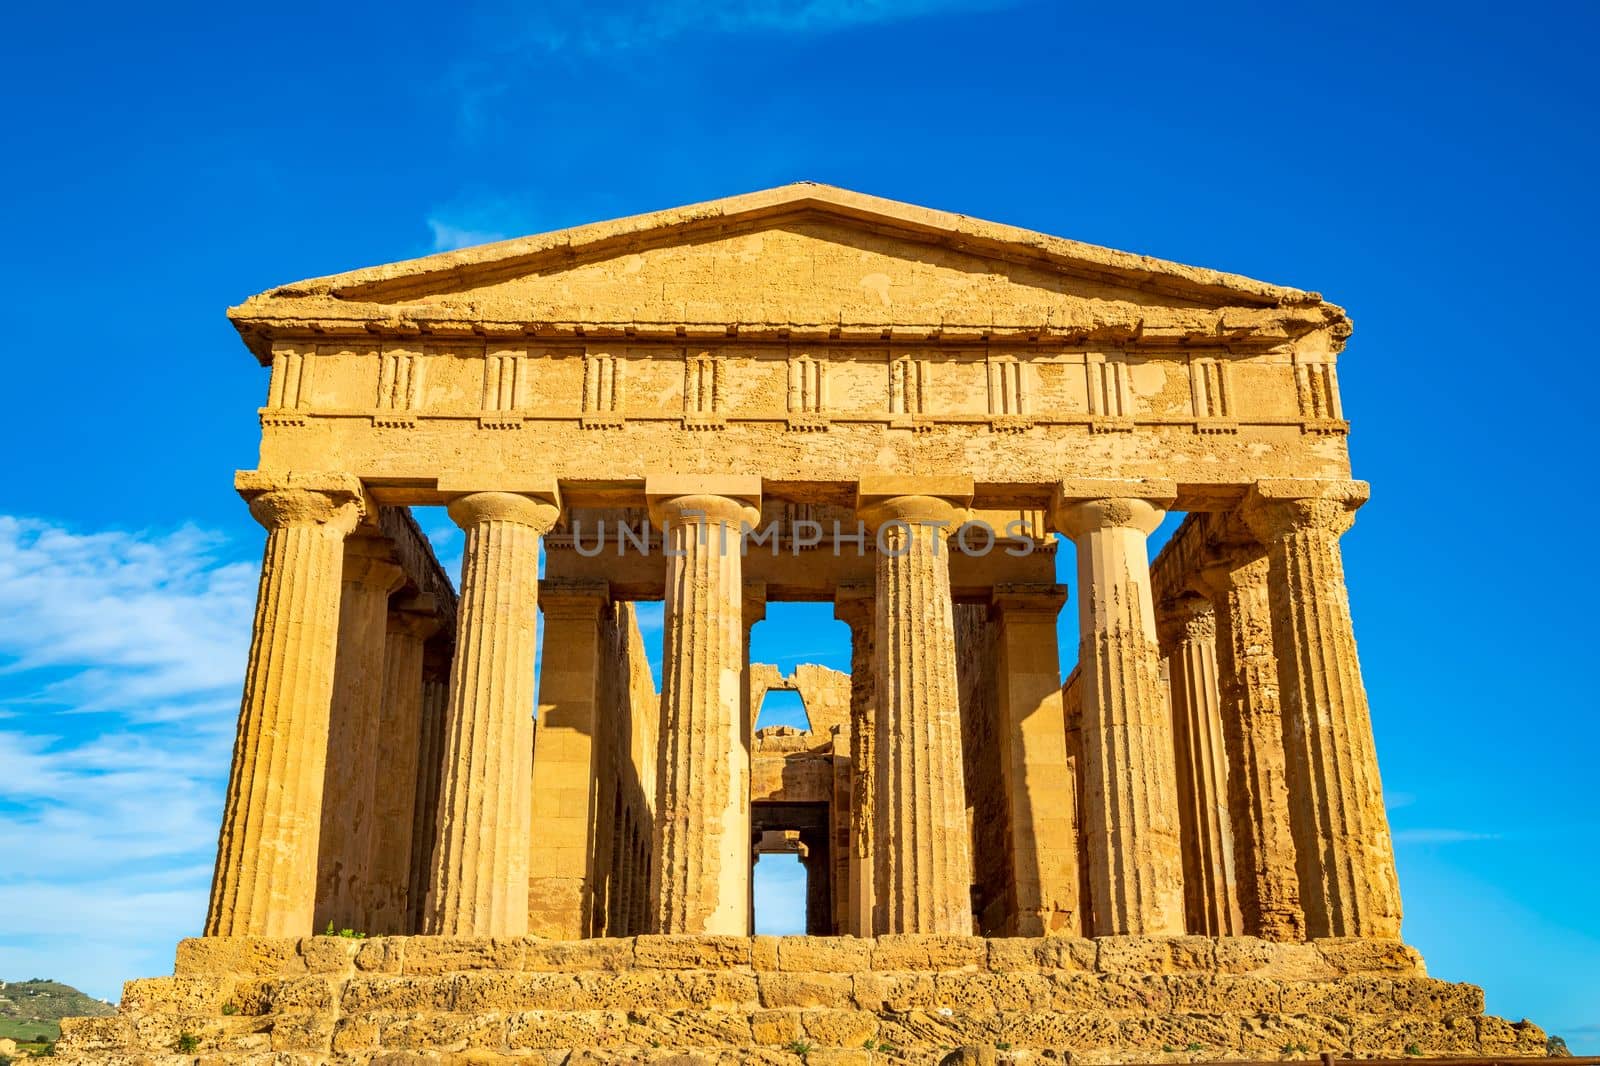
pixel 802 256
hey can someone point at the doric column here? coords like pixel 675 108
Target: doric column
pixel 349 782
pixel 921 846
pixel 266 874
pixel 1131 825
pixel 1189 639
pixel 399 753
pixel 436 655
pixel 1252 734
pixel 701 883
pixel 854 605
pixel 1341 830
pixel 561 892
pixel 1037 778
pixel 479 885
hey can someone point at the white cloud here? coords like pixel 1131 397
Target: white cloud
pixel 108 820
pixel 448 236
pixel 1440 836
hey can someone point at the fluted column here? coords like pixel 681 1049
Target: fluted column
pixel 1131 824
pixel 855 606
pixel 266 873
pixel 1189 635
pixel 1252 734
pixel 399 755
pixel 1039 781
pixel 350 778
pixel 701 883
pixel 1345 856
pixel 564 761
pixel 479 884
pixel 921 846
pixel 436 655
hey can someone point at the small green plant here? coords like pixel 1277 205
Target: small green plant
pixel 1195 1047
pixel 348 934
pixel 187 1043
pixel 655 1043
pixel 1413 1049
pixel 1002 1045
pixel 800 1047
pixel 1296 1049
pixel 1168 1048
pixel 230 1008
pixel 869 1044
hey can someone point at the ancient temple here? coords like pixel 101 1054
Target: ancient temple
pixel 1168 846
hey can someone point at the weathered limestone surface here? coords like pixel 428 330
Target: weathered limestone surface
pixel 1252 727
pixel 480 873
pixel 265 882
pixel 1131 816
pixel 701 884
pixel 344 889
pixel 719 999
pixel 856 608
pixel 1039 782
pixel 923 858
pixel 399 749
pixel 1346 858
pixel 1209 883
pixel 564 762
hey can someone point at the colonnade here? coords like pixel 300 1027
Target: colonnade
pixel 1144 754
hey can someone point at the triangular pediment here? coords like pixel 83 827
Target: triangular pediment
pixel 801 254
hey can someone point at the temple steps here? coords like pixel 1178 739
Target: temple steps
pixel 427 1000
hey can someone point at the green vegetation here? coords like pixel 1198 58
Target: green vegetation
pixel 187 1043
pixel 31 1012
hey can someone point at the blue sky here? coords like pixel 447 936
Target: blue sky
pixel 1431 170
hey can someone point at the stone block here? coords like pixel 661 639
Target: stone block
pixel 559 1029
pixel 273 995
pixel 1391 1037
pixel 1267 958
pixel 567 956
pixel 993 991
pixel 939 1028
pixel 1293 1036
pixel 499 990
pixel 764 952
pixel 839 1028
pixel 824 954
pixel 1434 998
pixel 929 951
pixel 1496 1036
pixel 382 955
pixel 1352 995
pixel 175 994
pixel 331 954
pixel 385 993
pixel 775 1026
pixel 667 990
pixel 1215 1034
pixel 692 952
pixel 692 1028
pixel 302 1032
pixel 240 955
pixel 354 1035
pixel 1007 954
pixel 1153 954
pixel 1223 995
pixel 1145 993
pixel 97 1034
pixel 1361 955
pixel 893 991
pixel 839 1057
pixel 451 954
pixel 805 989
pixel 444 1032
pixel 1073 1031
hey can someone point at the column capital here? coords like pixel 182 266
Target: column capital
pixel 675 498
pixel 475 508
pixel 885 498
pixel 1279 507
pixel 575 600
pixel 281 500
pixel 1012 599
pixel 1075 517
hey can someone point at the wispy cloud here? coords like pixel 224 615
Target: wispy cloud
pixel 1441 836
pixel 448 235
pixel 111 816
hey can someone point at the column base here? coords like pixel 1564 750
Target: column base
pixel 768 999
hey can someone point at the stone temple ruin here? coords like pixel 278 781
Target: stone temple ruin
pixel 1176 852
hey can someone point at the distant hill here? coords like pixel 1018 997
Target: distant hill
pixel 31 1011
